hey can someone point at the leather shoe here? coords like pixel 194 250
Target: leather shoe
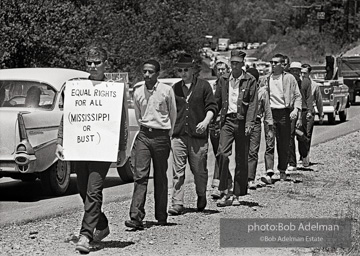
pixel 135 224
pixel 176 209
pixel 201 203
pixel 161 222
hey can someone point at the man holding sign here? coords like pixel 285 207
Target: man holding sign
pixel 89 136
pixel 155 111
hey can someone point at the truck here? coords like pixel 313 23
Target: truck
pixel 223 44
pixel 349 67
pixel 334 92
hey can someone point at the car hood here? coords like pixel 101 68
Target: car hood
pixel 9 133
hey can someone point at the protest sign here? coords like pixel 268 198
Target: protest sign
pixel 92 115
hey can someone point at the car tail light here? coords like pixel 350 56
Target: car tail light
pixel 22 129
pixel 21 148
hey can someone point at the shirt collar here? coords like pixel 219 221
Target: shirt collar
pixel 154 88
pixel 239 78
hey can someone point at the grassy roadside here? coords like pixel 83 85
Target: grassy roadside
pixel 329 189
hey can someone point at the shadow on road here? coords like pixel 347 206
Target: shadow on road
pixel 20 191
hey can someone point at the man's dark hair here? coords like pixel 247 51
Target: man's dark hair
pixel 279 55
pixel 155 63
pixel 97 52
pixel 307 66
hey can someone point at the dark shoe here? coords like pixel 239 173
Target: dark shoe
pixel 266 179
pixel 252 185
pixel 161 222
pixel 176 210
pixel 216 194
pixel 226 200
pixel 83 245
pixel 284 176
pixel 101 234
pixel 134 224
pixel 201 203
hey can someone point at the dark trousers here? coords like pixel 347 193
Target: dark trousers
pixel 305 143
pixel 254 146
pixel 214 139
pixel 90 182
pixel 234 129
pixel 292 153
pixel 151 145
pixel 282 133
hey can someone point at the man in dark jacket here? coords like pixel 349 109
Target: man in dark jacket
pixel 237 101
pixel 196 106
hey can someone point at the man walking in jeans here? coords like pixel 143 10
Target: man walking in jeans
pixel 285 103
pixel 91 174
pixel 237 101
pixel 196 107
pixel 155 111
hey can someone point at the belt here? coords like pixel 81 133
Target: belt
pixel 149 129
pixel 231 115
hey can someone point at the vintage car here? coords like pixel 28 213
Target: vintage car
pixel 334 92
pixel 31 105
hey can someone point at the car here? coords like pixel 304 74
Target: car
pixel 168 81
pixel 263 67
pixel 249 61
pixel 233 46
pixel 335 94
pixel 31 107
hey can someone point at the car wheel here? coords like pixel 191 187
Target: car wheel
pixel 343 115
pixel 331 118
pixel 126 172
pixel 56 179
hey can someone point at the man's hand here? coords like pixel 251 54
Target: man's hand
pixel 59 152
pixel 121 158
pixel 270 133
pixel 201 127
pixel 321 118
pixel 309 116
pixel 293 114
pixel 248 130
pixel 298 123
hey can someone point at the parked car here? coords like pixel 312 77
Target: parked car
pixel 169 81
pixel 335 94
pixel 263 67
pixel 31 106
pixel 232 46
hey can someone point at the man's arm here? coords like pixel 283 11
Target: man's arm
pixel 172 110
pixel 251 113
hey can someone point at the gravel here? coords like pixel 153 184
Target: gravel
pixel 327 189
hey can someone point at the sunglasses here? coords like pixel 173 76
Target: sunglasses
pixel 274 62
pixel 96 63
pixel 150 71
pixel 181 70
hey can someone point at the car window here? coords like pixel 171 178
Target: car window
pixel 26 94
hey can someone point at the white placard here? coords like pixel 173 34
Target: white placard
pixel 92 115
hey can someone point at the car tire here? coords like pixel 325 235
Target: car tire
pixel 56 179
pixel 343 115
pixel 126 172
pixel 331 118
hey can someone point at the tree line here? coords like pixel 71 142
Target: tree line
pixel 55 33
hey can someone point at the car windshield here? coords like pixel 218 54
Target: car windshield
pixel 26 94
pixel 317 75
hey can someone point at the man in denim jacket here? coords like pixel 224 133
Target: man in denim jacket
pixel 237 102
